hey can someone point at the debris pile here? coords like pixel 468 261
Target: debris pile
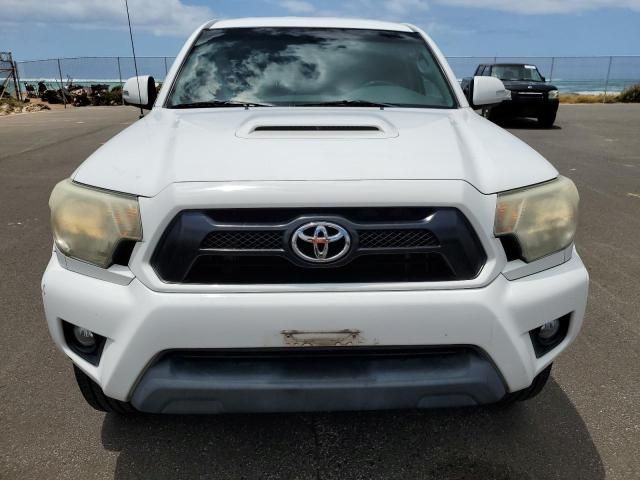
pixel 77 95
pixel 11 105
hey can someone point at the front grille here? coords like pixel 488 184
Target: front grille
pixel 254 246
pixel 396 238
pixel 528 96
pixel 243 240
pixel 273 240
pixel 274 270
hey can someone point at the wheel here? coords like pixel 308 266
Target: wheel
pixel 95 397
pixel 547 120
pixel 490 114
pixel 534 389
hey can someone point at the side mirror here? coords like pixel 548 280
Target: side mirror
pixel 487 91
pixel 140 92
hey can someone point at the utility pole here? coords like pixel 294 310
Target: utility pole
pixel 9 71
pixel 64 97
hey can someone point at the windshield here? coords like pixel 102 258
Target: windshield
pixel 516 72
pixel 310 66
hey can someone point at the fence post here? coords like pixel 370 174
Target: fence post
pixel 606 83
pixel 120 79
pixel 64 98
pixel 166 70
pixel 553 61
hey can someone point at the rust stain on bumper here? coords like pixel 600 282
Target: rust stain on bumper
pixel 340 338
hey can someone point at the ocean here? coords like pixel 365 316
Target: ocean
pixel 569 74
pixel 564 86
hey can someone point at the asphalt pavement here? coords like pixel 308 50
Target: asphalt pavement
pixel 585 424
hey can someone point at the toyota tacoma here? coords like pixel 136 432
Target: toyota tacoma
pixel 311 217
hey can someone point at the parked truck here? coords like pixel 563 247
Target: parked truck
pixel 530 95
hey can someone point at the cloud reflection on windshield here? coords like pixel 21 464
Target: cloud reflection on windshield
pixel 290 65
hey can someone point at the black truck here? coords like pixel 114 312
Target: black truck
pixel 531 96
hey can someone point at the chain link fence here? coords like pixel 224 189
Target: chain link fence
pixel 569 74
pixel 91 70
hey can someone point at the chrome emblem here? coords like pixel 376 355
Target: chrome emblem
pixel 321 242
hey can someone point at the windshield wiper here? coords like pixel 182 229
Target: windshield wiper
pixel 220 103
pixel 345 103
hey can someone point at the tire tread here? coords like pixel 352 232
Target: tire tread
pixel 96 398
pixel 528 393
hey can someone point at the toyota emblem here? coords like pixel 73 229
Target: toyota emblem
pixel 321 242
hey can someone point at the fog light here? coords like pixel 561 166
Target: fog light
pixel 548 331
pixel 549 335
pixel 84 337
pixel 83 342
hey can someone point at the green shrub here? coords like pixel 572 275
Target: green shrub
pixel 114 97
pixel 587 98
pixel 630 94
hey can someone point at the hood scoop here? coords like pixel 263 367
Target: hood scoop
pixel 323 125
pixel 317 128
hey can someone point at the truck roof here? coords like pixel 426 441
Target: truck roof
pixel 317 22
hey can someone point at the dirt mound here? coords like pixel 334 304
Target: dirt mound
pixel 9 106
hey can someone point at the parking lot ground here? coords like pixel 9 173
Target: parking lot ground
pixel 585 424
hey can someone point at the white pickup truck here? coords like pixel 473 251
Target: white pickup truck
pixel 312 217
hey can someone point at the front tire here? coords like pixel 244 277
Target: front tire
pixel 490 114
pixel 95 397
pixel 528 393
pixel 547 119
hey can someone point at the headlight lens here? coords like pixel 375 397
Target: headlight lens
pixel 553 94
pixel 542 218
pixel 88 223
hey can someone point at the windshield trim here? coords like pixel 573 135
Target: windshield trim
pixel 455 100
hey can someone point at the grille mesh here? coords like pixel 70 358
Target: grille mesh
pixel 397 239
pixel 272 240
pixel 243 240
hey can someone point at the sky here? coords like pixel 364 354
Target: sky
pixel 37 29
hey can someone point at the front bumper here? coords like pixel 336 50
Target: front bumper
pixel 140 324
pixel 310 379
pixel 527 107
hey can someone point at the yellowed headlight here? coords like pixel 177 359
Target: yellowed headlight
pixel 88 224
pixel 542 218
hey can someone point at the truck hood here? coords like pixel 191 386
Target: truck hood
pixel 525 85
pixel 316 144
